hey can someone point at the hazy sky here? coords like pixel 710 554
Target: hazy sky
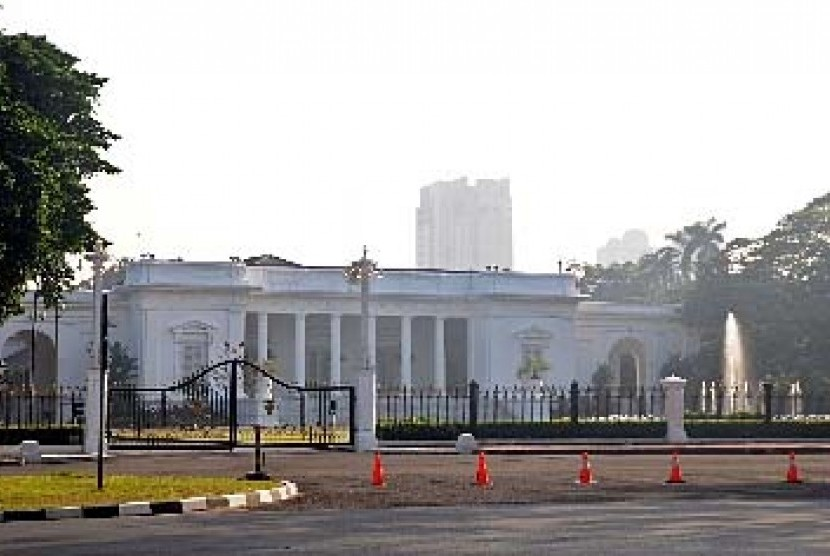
pixel 305 129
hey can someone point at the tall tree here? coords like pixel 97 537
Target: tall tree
pixel 50 145
pixel 699 245
pixel 778 286
pixel 797 250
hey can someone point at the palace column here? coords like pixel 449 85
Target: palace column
pixel 236 331
pixel 262 338
pixel 334 378
pixel 440 365
pixel 406 351
pixel 299 348
pixel 262 384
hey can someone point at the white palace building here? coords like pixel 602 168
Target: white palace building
pixel 427 328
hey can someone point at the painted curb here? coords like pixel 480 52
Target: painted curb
pixel 252 499
pixel 236 500
pixel 134 509
pixel 67 512
pixel 195 504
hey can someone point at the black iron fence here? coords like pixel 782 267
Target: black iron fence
pixel 52 415
pixel 473 405
pixel 54 407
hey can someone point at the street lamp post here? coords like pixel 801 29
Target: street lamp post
pixel 361 272
pixel 96 384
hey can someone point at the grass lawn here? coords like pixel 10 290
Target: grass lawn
pixel 70 489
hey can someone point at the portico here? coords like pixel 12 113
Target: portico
pixel 324 348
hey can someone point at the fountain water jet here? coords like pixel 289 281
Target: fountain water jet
pixel 734 367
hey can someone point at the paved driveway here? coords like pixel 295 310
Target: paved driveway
pixel 659 526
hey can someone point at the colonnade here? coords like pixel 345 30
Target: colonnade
pixel 439 374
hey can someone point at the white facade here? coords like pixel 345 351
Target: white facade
pixel 435 329
pixel 463 227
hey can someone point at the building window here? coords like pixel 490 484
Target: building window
pixel 191 341
pixel 534 363
pixel 193 354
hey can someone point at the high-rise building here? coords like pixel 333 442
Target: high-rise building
pixel 629 248
pixel 464 227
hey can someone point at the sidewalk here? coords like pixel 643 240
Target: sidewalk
pixel 735 446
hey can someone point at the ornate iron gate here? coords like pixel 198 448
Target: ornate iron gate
pixel 218 407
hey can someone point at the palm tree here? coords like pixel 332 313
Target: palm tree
pixel 699 245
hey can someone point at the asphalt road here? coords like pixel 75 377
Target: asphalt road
pixel 654 526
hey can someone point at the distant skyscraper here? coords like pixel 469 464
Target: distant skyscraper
pixel 462 227
pixel 632 246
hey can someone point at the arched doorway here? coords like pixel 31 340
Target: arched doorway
pixel 627 361
pixel 22 368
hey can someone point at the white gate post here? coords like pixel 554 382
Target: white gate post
pixel 673 387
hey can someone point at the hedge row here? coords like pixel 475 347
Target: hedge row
pixel 48 437
pixel 647 429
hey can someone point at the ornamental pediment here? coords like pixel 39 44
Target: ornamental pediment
pixel 192 326
pixel 534 333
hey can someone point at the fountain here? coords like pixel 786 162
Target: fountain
pixel 734 380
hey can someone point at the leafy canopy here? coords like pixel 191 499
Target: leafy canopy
pixel 50 144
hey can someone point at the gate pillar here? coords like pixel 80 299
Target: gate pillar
pixel 675 431
pixel 92 412
pixel 366 440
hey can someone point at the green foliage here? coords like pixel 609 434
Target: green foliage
pixel 661 276
pixel 738 428
pixel 778 286
pixel 796 251
pixel 533 367
pixel 602 377
pixel 699 246
pixel 779 290
pixel 70 489
pixel 51 144
pixel 64 435
pixel 122 368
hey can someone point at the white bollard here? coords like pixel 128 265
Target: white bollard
pixel 675 431
pixel 30 451
pixel 466 444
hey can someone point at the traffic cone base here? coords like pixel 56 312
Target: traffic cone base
pixel 482 475
pixel 378 474
pixel 675 474
pixel 793 477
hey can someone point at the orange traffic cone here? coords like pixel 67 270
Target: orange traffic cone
pixel 792 471
pixel 675 475
pixel 482 475
pixel 586 476
pixel 378 475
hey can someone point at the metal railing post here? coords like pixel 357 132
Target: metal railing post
pixel 574 402
pixel 232 404
pixel 475 391
pixel 767 402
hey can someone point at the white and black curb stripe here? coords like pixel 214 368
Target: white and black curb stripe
pixel 285 491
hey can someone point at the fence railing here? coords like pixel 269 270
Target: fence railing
pixel 473 405
pixel 54 407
